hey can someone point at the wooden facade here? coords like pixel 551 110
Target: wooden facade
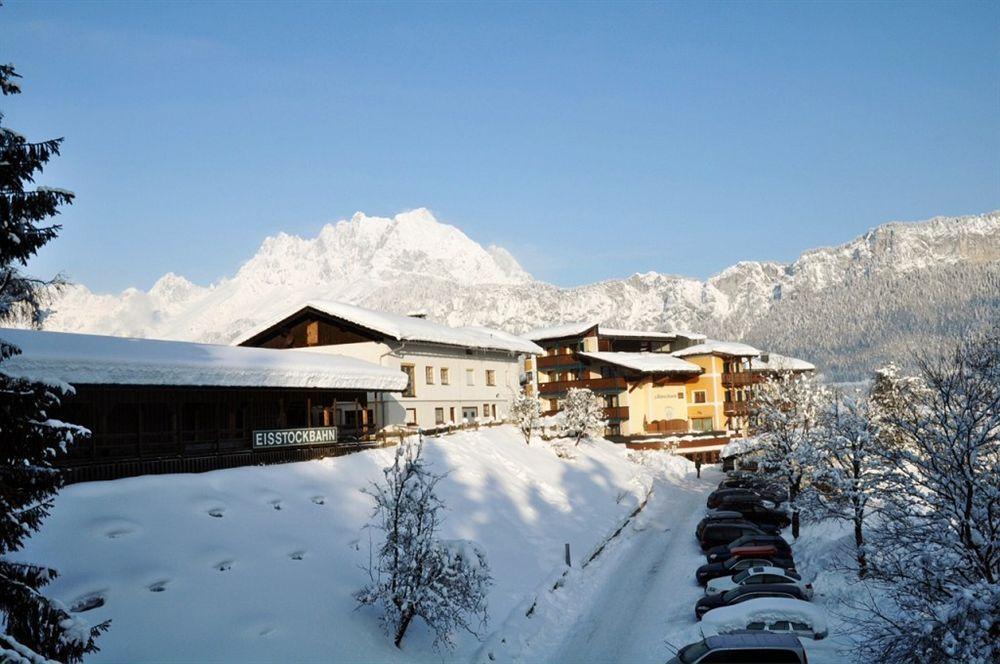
pixel 138 430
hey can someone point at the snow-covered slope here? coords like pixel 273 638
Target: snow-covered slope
pixel 413 262
pixel 259 564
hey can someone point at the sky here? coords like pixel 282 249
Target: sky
pixel 592 140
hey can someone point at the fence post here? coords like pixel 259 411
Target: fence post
pixel 569 562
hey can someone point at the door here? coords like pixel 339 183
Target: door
pixel 470 413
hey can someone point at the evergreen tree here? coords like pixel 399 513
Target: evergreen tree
pixel 30 439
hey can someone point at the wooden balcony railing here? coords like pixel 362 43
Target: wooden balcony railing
pixel 738 408
pixel 740 379
pixel 595 384
pixel 667 426
pixel 616 413
pixel 550 362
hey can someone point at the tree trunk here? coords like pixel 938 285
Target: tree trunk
pixel 401 630
pixel 795 522
pixel 859 547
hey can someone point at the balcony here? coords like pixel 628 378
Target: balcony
pixel 741 379
pixel 594 384
pixel 557 362
pixel 736 408
pixel 616 413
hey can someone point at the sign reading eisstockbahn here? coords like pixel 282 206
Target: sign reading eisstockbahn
pixel 294 437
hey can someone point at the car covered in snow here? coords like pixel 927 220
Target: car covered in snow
pixel 756 511
pixel 756 575
pixel 737 564
pixel 724 532
pixel 718 516
pixel 742 594
pixel 724 551
pixel 764 647
pixel 774 615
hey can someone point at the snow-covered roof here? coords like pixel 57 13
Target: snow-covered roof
pixel 713 347
pixel 646 362
pixel 61 357
pixel 777 362
pixel 559 331
pixel 739 446
pixel 408 328
pixel 634 334
pixel 764 609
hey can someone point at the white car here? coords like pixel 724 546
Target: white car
pixel 767 614
pixel 753 575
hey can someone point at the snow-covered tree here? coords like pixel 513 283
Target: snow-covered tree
pixel 525 413
pixel 583 414
pixel 787 412
pixel 31 439
pixel 847 475
pixel 936 551
pixel 415 574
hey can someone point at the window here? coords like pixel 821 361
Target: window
pixel 470 377
pixel 444 375
pixel 491 377
pixel 701 423
pixel 451 414
pixel 680 395
pixel 756 626
pixel 780 626
pixel 411 416
pixel 493 409
pixel 486 410
pixel 698 396
pixel 429 375
pixel 439 416
pixel 411 388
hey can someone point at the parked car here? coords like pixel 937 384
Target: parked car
pixel 756 511
pixel 763 647
pixel 722 552
pixel 756 575
pixel 775 615
pixel 716 496
pixel 746 593
pixel 719 517
pixel 715 534
pixel 737 564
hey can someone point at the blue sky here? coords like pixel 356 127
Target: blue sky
pixel 592 140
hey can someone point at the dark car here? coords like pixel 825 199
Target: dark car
pixel 747 593
pixel 724 532
pixel 755 512
pixel 717 516
pixel 710 571
pixel 769 648
pixel 716 496
pixel 723 552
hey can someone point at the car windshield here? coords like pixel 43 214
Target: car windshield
pixel 742 576
pixel 692 652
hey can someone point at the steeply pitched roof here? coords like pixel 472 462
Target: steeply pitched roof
pixel 60 357
pixel 408 328
pixel 646 362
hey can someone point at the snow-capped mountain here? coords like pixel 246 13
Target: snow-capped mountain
pixel 911 271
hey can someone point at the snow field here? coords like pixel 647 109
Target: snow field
pixel 259 563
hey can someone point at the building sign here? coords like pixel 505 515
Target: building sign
pixel 294 437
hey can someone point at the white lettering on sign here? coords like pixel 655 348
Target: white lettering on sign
pixel 294 437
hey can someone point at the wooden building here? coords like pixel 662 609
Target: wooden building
pixel 167 406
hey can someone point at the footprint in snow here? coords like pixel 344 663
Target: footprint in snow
pixel 118 532
pixel 88 602
pixel 276 504
pixel 158 586
pixel 297 555
pixel 319 500
pixel 224 566
pixel 265 631
pixel 217 512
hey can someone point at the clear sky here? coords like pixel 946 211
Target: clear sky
pixel 592 140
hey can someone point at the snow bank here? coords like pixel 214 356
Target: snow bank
pixel 61 357
pixel 259 563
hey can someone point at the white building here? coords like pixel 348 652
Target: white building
pixel 456 374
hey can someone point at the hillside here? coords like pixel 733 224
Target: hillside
pixel 848 308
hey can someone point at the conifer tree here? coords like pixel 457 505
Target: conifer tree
pixel 30 438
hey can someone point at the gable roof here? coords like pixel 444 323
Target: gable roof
pixel 406 328
pixel 713 347
pixel 776 363
pixel 646 362
pixel 560 331
pixel 90 359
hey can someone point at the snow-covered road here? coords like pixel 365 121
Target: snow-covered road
pixel 645 590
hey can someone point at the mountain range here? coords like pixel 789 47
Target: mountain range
pixel 884 296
